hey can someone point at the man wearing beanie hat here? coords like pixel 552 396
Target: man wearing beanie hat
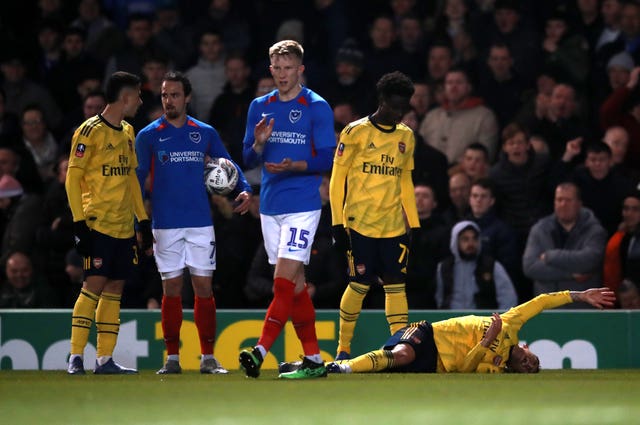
pixel 21 214
pixel 350 83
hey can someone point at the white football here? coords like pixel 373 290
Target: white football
pixel 220 176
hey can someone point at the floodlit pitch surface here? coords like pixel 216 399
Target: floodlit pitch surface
pixel 551 397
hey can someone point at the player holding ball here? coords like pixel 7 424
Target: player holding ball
pixel 175 147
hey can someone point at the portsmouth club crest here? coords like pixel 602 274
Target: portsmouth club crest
pixel 195 137
pixel 295 115
pixel 163 157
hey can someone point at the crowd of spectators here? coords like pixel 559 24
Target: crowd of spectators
pixel 512 98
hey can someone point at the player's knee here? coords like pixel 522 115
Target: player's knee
pixel 403 354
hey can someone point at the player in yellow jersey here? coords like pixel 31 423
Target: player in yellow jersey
pixel 104 195
pixel 370 188
pixel 469 343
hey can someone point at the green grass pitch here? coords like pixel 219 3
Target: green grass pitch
pixel 552 397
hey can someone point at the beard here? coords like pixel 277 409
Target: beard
pixel 468 256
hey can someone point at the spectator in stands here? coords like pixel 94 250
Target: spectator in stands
pixel 350 82
pixel 39 141
pixel 429 245
pixel 421 100
pixel 509 27
pixel 412 44
pixel 9 123
pixel 54 235
pixel 21 92
pixel 622 108
pixel 140 45
pixel 622 255
pixel 459 191
pixel 470 278
pixel 231 20
pixel 92 104
pixel 602 188
pixel 497 237
pixel 229 111
pixel 207 76
pixel 344 113
pixel 557 119
pixel 17 162
pixel 610 11
pixel 430 165
pixel 439 62
pixel 383 54
pixel 520 182
pixel 103 37
pixel 618 140
pixel 565 51
pixel 173 38
pixel 74 65
pixel 628 38
pixel 461 120
pixel 565 249
pixel 49 45
pixel 19 215
pixel 24 288
pixel 500 87
pixel 628 295
pixel 154 69
pixel 474 162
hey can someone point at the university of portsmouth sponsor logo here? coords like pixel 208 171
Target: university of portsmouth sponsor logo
pixel 295 115
pixel 163 157
pixel 80 150
pixel 401 147
pixel 195 137
pixel 340 149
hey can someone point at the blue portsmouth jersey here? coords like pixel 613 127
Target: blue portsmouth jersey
pixel 302 127
pixel 175 158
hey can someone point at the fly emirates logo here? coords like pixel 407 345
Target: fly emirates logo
pixel 122 169
pixel 385 167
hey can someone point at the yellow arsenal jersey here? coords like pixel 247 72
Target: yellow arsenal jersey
pixel 372 161
pixel 108 160
pixel 458 339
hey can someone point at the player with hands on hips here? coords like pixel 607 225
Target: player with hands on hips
pixel 175 147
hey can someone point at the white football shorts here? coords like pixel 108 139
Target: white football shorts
pixel 289 235
pixel 193 247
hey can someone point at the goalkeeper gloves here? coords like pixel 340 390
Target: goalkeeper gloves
pixel 144 227
pixel 82 235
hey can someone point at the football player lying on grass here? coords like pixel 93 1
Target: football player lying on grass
pixel 467 344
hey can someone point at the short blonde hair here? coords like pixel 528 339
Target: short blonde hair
pixel 287 47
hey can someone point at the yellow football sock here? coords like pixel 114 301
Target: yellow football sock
pixel 108 323
pixel 350 307
pixel 81 320
pixel 395 306
pixel 373 361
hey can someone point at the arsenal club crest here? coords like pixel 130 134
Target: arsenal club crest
pixel 97 263
pixel 401 147
pixel 195 137
pixel 295 115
